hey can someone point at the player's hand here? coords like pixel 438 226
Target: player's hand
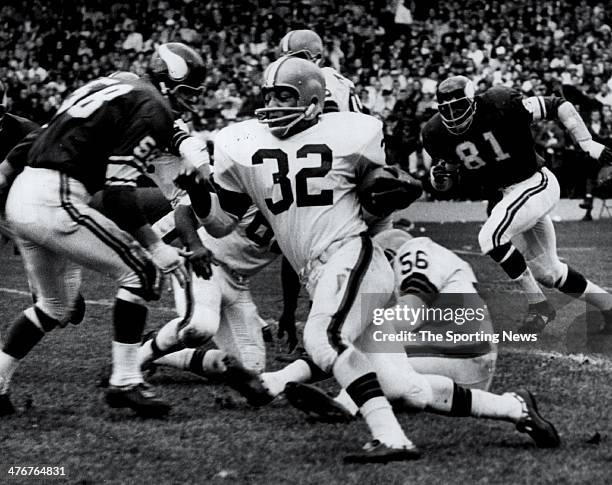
pixel 201 260
pixel 443 176
pixel 190 177
pixel 286 328
pixel 170 260
pixel 592 148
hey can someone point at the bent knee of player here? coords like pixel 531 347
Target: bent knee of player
pixel 52 312
pixel 485 239
pixel 547 270
pixel 319 346
pixel 412 391
pixel 202 326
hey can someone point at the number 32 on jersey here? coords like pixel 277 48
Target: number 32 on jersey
pixel 303 198
pixel 469 155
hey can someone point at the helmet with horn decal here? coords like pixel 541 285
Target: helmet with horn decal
pixel 178 72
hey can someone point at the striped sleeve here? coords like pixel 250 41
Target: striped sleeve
pixel 542 107
pixel 122 171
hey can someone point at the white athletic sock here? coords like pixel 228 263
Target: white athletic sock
pixel 126 366
pixel 488 405
pixel 383 424
pixel 345 401
pixel 530 287
pixel 298 371
pixel 178 360
pixel 597 296
pixel 8 365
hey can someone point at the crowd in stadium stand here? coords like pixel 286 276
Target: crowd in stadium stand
pixel 395 52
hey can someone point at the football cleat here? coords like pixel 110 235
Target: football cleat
pixel 316 404
pixel 139 397
pixel 376 452
pixel 6 406
pixel 247 383
pixel 538 316
pixel 541 431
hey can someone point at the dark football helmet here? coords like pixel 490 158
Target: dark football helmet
pixel 456 103
pixel 302 43
pixel 178 72
pixel 124 76
pixel 306 81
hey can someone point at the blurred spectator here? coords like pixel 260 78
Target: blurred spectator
pixel 396 51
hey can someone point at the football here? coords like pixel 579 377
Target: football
pixel 384 190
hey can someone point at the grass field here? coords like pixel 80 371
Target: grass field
pixel 212 436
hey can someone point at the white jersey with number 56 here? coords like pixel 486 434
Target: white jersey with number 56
pixel 304 185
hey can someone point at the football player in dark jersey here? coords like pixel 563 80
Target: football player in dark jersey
pixel 110 125
pixel 489 136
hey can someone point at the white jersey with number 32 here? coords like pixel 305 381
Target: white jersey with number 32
pixel 304 185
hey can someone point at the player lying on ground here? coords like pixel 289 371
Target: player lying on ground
pixel 426 274
pixel 223 308
pixel 58 232
pixel 301 170
pixel 489 136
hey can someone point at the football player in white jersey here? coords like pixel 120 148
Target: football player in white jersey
pixel 301 170
pixel 339 96
pixel 452 379
pixel 223 308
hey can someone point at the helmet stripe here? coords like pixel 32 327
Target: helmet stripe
pixel 177 67
pixel 285 46
pixel 272 71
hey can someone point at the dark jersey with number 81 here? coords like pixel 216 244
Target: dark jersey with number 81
pixel 499 144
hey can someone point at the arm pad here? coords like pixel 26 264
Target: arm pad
pixel 573 122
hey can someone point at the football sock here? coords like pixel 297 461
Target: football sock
pixel 487 405
pixel 377 412
pixel 22 335
pixel 162 343
pixel 345 401
pixel 126 366
pixel 597 296
pixel 530 287
pixel 8 364
pixel 178 360
pixel 297 371
pixel 510 259
pixel 128 323
pixel 354 372
pixel 452 399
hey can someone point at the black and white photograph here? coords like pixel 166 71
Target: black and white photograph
pixel 305 242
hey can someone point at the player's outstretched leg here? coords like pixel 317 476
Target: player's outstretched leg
pixel 22 335
pixel 447 399
pixel 127 388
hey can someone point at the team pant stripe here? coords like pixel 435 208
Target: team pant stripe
pixel 122 249
pixel 334 328
pixel 515 206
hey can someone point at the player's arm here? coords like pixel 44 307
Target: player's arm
pixel 556 108
pixel 187 230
